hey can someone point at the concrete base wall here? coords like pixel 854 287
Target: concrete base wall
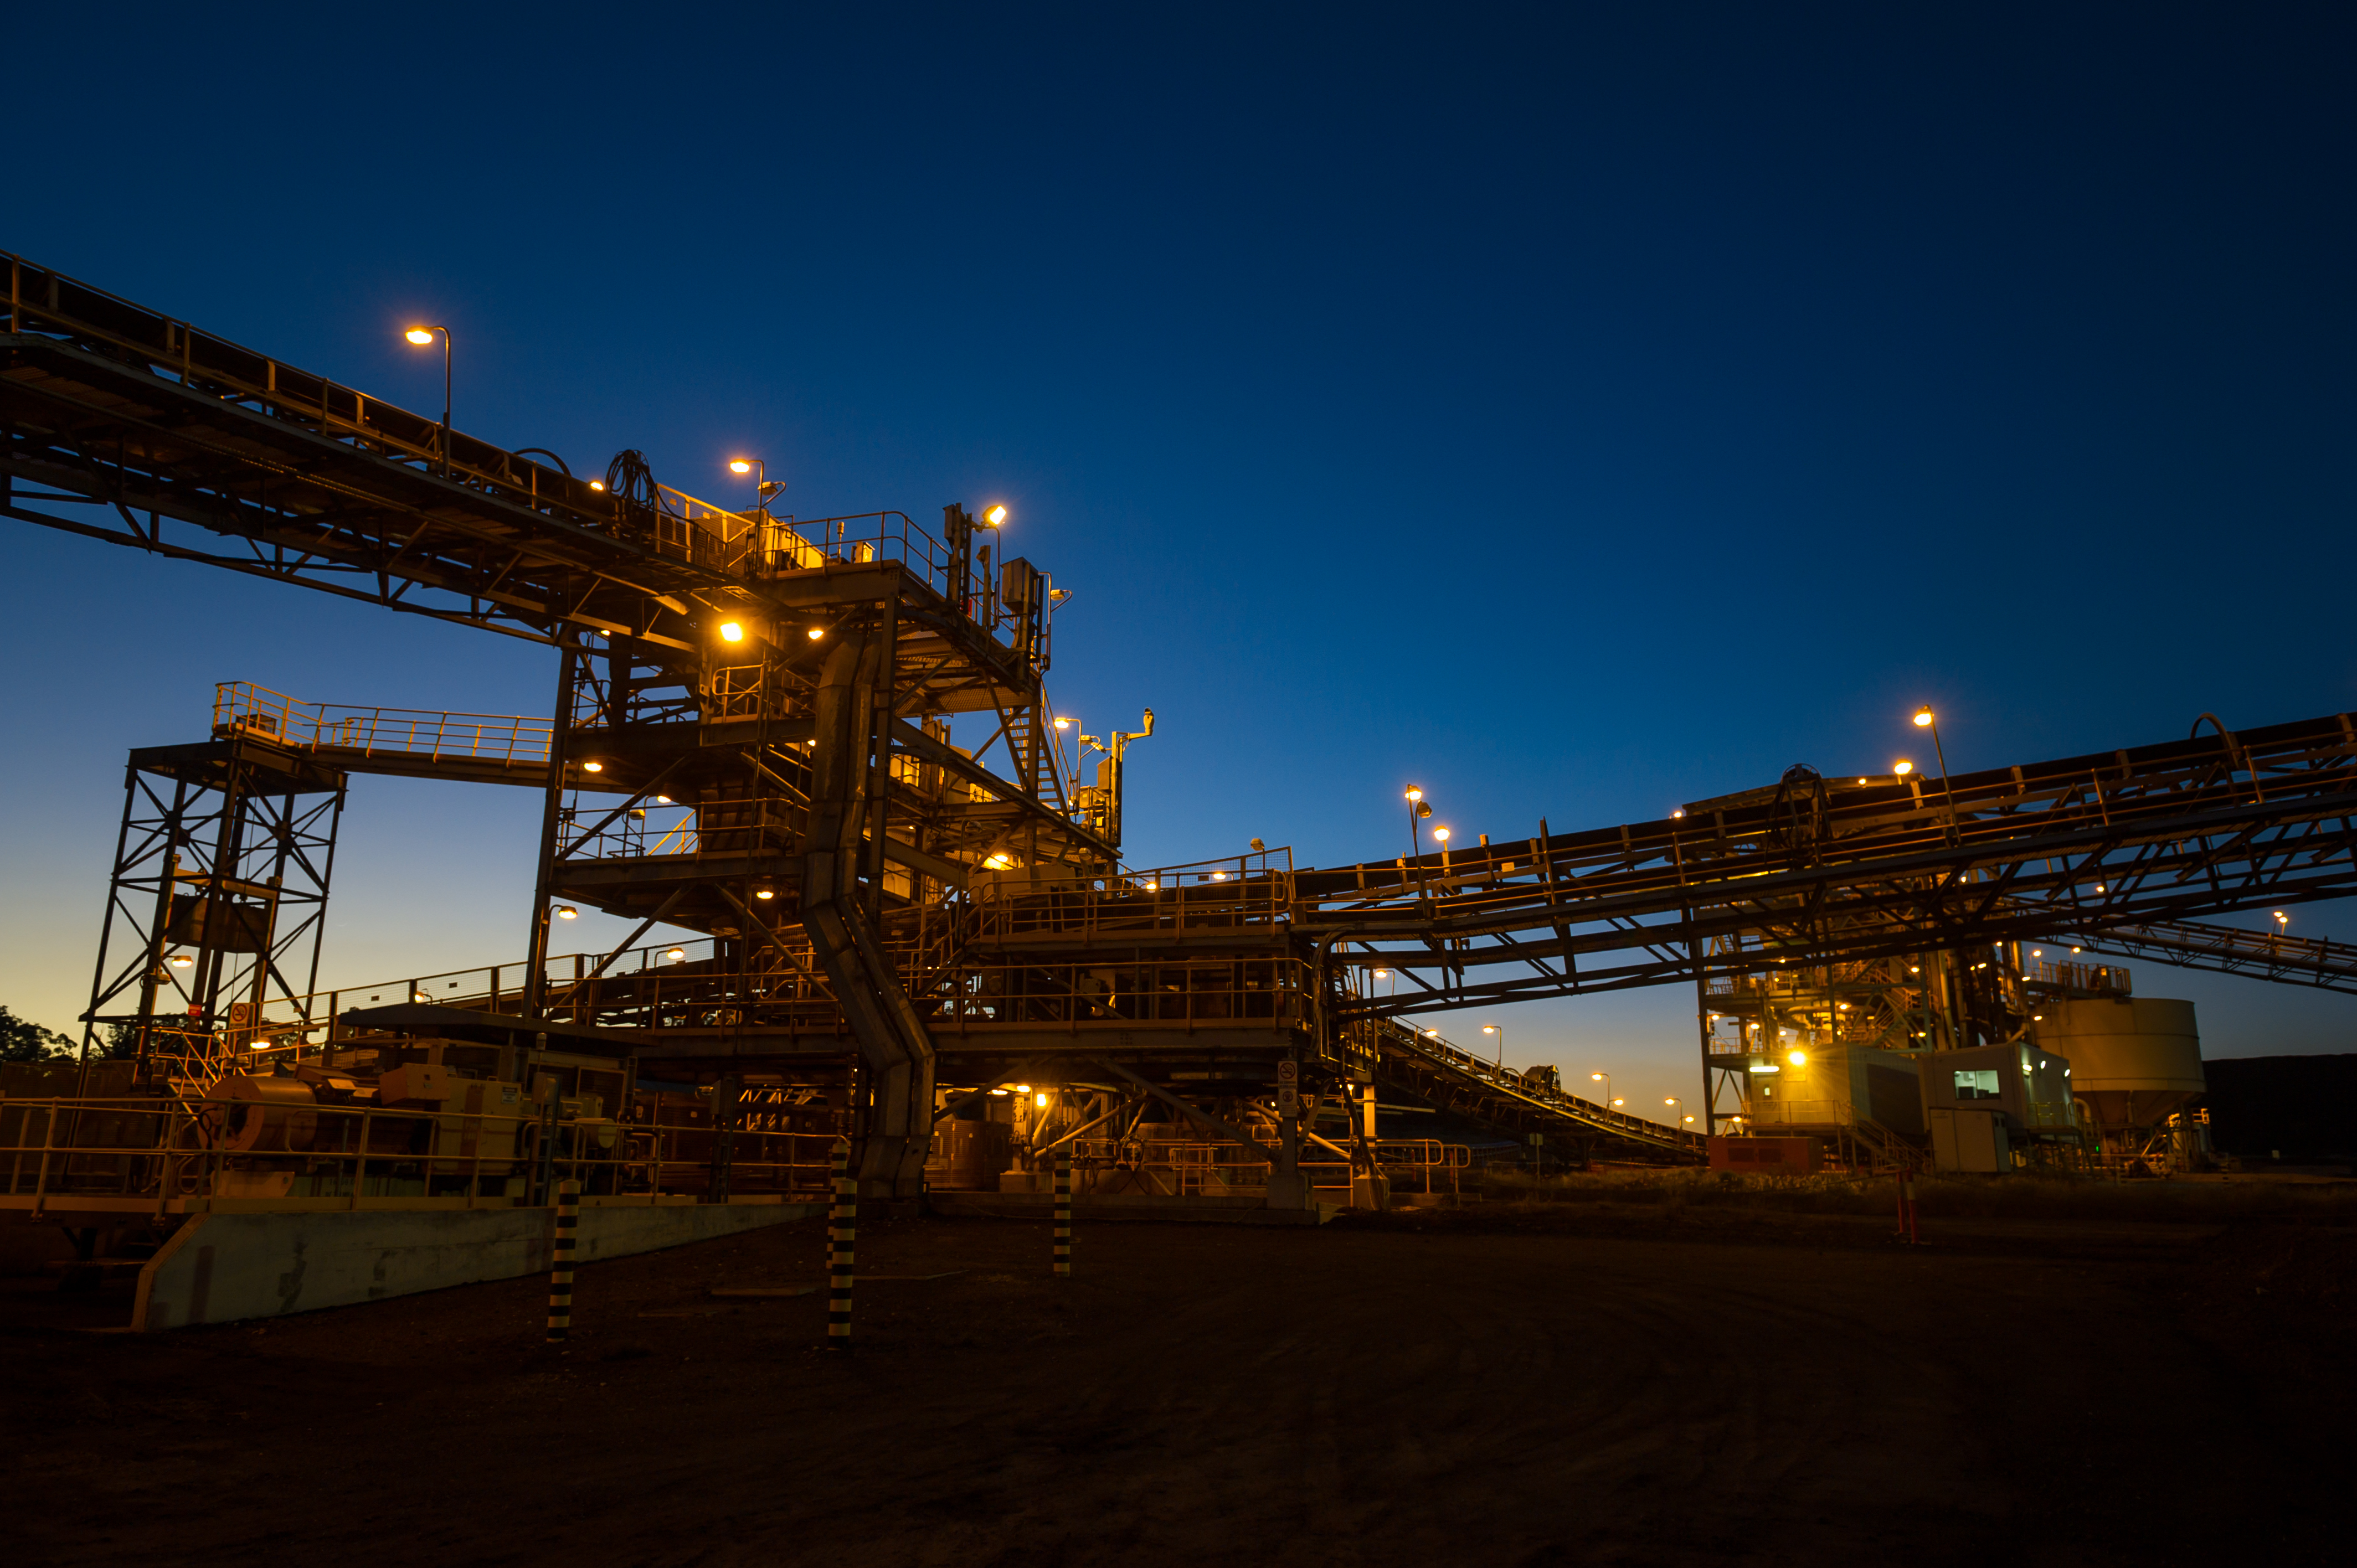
pixel 221 1268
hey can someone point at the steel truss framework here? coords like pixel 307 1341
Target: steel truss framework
pixel 780 686
pixel 218 900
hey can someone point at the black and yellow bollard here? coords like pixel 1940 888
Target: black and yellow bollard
pixel 842 1236
pixel 560 1277
pixel 1064 1215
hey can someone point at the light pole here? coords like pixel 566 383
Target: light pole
pixel 1418 809
pixel 421 337
pixel 1493 1029
pixel 1606 1080
pixel 762 487
pixel 1674 1103
pixel 1925 719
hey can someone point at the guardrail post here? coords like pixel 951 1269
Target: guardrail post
pixel 1064 1215
pixel 842 1224
pixel 560 1278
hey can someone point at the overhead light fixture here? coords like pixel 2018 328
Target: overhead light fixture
pixel 765 893
pixel 731 631
pixel 593 768
pixel 1799 1058
pixel 1218 877
pixel 1063 724
pixel 996 517
pixel 1382 974
pixel 663 800
pixel 1441 835
pixel 1923 717
pixel 817 632
pixel 1040 1100
pixel 598 484
pixel 738 466
pixel 181 960
pixel 567 912
pixel 1022 1089
pixel 1902 768
pixel 676 954
pixel 1678 813
pixel 1414 793
pixel 421 336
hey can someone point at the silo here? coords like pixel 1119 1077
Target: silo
pixel 2135 1061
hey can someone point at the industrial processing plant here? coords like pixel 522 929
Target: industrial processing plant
pixel 1043 789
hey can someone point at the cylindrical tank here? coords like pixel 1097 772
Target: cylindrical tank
pixel 2134 1060
pixel 266 1115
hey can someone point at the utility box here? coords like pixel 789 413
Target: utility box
pixel 1979 1104
pixel 1767 1156
pixel 415 1083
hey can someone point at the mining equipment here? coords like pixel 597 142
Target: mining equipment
pixel 826 745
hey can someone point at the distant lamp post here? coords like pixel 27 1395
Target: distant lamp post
pixel 1606 1080
pixel 1926 719
pixel 424 337
pixel 1419 809
pixel 1675 1104
pixel 1493 1029
pixel 763 486
pixel 2282 921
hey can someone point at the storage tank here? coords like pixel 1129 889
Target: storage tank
pixel 2135 1061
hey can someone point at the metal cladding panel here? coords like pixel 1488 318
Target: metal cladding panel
pixel 2140 1043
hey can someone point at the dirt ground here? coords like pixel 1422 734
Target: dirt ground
pixel 1509 1384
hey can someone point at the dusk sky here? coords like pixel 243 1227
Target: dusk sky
pixel 1574 411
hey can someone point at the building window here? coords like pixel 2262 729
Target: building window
pixel 1977 1084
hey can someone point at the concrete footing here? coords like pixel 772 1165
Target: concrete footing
pixel 222 1268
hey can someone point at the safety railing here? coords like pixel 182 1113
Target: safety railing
pixel 1247 890
pixel 195 1153
pixel 407 733
pixel 1186 995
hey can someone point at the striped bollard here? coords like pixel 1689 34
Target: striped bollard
pixel 1064 1215
pixel 841 1237
pixel 560 1278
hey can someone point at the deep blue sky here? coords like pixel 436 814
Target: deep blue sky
pixel 1574 410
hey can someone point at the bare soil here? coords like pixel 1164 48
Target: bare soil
pixel 1509 1384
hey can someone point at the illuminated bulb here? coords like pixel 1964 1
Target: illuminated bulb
pixel 1902 768
pixel 1441 835
pixel 1022 1089
pixel 596 484
pixel 1155 886
pixel 1063 724
pixel 731 631
pixel 1414 793
pixel 764 894
pixel 1040 1100
pixel 593 768
pixel 676 954
pixel 663 800
pixel 421 336
pixel 738 466
pixel 1799 1058
pixel 1922 718
pixel 567 912
pixel 181 960
pixel 995 516
pixel 1678 813
pixel 817 632
pixel 1218 877
pixel 1382 974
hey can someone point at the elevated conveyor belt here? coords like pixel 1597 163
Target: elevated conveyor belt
pixel 2229 949
pixel 1839 870
pixel 1514 1103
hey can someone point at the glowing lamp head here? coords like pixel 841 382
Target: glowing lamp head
pixel 181 960
pixel 732 631
pixel 593 768
pixel 1923 717
pixel 1040 1100
pixel 676 955
pixel 1596 1075
pixel 421 336
pixel 1382 974
pixel 1063 724
pixel 817 632
pixel 1798 1058
pixel 996 517
pixel 1902 768
pixel 567 912
pixel 1488 1028
pixel 765 893
pixel 738 466
pixel 596 484
pixel 1414 793
pixel 1441 835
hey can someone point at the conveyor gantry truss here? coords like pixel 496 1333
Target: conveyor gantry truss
pixel 866 884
